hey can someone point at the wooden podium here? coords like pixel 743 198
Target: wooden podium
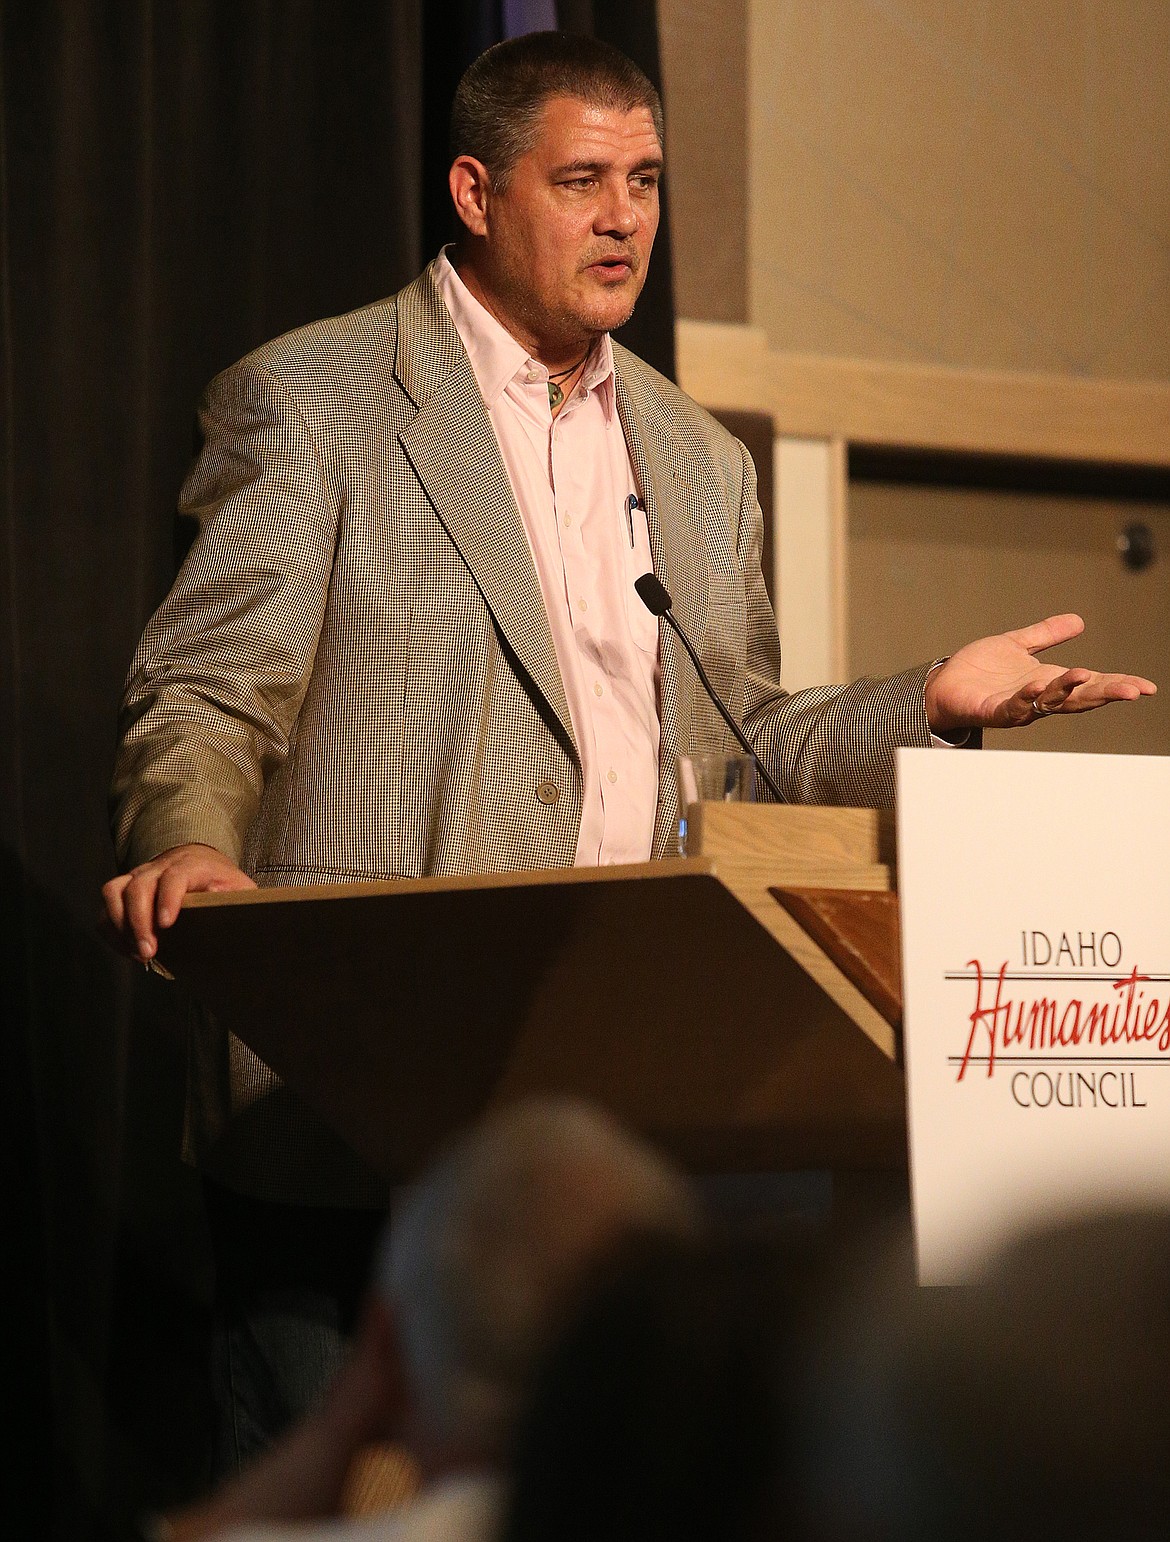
pixel 681 995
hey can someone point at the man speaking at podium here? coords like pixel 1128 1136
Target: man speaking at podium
pixel 407 641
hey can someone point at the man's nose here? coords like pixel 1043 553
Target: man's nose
pixel 616 214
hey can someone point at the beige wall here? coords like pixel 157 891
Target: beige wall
pixel 968 182
pixel 704 84
pixel 930 568
pixel 982 184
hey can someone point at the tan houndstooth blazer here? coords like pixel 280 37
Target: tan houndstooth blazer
pixel 353 676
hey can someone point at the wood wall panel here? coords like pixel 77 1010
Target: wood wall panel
pixel 869 401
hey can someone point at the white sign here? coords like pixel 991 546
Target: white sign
pixel 1035 906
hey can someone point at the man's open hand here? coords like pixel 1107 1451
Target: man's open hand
pixel 144 902
pixel 997 682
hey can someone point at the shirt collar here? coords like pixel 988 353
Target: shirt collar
pixel 496 357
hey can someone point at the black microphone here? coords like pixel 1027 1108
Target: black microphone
pixel 653 595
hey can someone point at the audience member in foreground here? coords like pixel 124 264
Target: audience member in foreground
pixel 480 1263
pixel 1030 1407
pixel 658 1416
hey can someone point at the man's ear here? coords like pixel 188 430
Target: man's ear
pixel 470 187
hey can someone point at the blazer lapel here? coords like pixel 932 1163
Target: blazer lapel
pixel 453 448
pixel 674 518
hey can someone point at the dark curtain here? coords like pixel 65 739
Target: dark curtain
pixel 179 180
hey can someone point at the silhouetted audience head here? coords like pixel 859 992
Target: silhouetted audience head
pixel 490 1246
pixel 658 1414
pixel 1034 1404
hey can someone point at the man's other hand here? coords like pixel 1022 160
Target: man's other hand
pixel 997 682
pixel 146 901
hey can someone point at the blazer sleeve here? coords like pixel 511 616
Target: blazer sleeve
pixel 218 679
pixel 831 744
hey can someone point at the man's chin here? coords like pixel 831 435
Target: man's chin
pixel 611 311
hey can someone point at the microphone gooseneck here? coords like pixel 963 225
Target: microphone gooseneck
pixel 653 594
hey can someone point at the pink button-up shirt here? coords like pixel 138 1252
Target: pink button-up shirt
pixel 573 481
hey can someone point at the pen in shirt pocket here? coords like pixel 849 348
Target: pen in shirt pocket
pixel 632 503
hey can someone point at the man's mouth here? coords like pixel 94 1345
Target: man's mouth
pixel 611 267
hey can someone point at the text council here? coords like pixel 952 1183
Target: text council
pixel 1076 1089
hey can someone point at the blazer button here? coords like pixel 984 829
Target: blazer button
pixel 548 792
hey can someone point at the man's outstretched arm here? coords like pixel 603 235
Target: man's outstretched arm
pixel 835 744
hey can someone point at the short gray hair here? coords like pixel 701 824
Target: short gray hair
pixel 487 1250
pixel 496 113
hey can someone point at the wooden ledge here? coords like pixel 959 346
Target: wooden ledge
pixel 926 406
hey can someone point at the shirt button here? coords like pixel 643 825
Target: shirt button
pixel 532 377
pixel 583 604
pixel 597 687
pixel 611 775
pixel 567 521
pixel 548 792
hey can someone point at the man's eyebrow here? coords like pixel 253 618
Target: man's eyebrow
pixel 577 168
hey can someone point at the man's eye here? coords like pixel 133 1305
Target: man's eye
pixel 578 183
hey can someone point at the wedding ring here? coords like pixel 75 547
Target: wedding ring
pixel 1042 711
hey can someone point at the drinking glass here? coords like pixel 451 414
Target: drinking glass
pixel 712 776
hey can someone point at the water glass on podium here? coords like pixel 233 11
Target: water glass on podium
pixel 712 776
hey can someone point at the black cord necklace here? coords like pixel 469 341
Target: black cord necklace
pixel 555 395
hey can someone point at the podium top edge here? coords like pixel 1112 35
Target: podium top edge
pixel 667 867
